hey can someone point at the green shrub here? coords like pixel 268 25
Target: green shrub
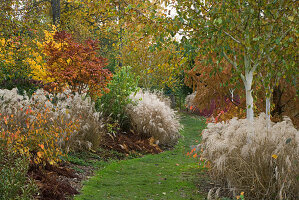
pixel 113 103
pixel 14 183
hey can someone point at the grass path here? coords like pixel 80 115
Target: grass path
pixel 169 175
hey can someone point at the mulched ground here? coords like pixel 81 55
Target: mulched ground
pixel 62 181
pixel 130 143
pixel 50 182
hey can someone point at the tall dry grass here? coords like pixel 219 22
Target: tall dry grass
pixel 260 160
pixel 62 108
pixel 152 117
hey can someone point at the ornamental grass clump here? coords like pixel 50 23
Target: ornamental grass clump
pixel 189 100
pixel 259 159
pixel 91 123
pixel 67 121
pixel 32 127
pixel 152 117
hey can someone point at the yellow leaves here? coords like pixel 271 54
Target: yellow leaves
pixel 159 67
pixel 291 18
pixel 274 156
pixel 37 62
pixel 39 59
pixel 52 162
pixel 39 154
pixel 68 61
pixel 38 44
pixel 2 41
pixel 35 140
pixel 49 35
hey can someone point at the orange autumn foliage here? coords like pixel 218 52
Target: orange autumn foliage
pixel 76 65
pixel 33 134
pixel 211 84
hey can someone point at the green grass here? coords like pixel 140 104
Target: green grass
pixel 169 175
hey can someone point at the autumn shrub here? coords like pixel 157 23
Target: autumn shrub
pixel 45 126
pixel 14 182
pixel 14 70
pixel 258 159
pixel 72 64
pixel 152 117
pixel 113 104
pixel 192 106
pixel 211 85
pixel 36 134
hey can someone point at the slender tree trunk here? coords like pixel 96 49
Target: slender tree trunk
pixel 268 103
pixel 247 79
pixel 55 4
pixel 232 94
pixel 120 64
pixel 249 98
pixel 268 107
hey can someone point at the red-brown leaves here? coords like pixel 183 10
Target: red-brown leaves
pixel 76 65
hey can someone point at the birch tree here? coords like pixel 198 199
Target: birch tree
pixel 280 48
pixel 242 32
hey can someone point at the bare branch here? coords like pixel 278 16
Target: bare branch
pixel 243 78
pixel 230 61
pixel 226 33
pixel 34 5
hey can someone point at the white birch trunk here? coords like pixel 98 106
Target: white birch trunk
pixel 247 80
pixel 268 107
pixel 249 98
pixel 232 94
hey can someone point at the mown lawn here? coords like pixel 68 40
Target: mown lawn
pixel 169 175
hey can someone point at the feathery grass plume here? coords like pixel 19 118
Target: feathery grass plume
pixel 162 97
pixel 92 125
pixel 152 117
pixel 63 109
pixel 32 126
pixel 258 160
pixel 189 101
